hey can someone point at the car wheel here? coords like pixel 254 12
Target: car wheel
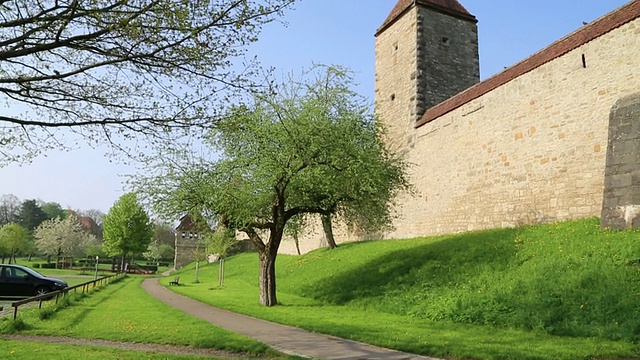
pixel 41 290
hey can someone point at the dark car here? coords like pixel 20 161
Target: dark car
pixel 21 281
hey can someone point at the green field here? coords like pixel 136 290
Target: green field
pixel 123 311
pixel 560 291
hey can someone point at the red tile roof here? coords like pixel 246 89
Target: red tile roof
pixel 188 224
pixel 574 40
pixel 452 7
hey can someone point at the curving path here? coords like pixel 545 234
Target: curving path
pixel 286 339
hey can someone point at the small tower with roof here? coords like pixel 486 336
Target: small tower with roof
pixel 189 241
pixel 426 52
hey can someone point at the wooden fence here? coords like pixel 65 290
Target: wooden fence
pixel 84 287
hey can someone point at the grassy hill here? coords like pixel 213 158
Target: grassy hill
pixel 568 283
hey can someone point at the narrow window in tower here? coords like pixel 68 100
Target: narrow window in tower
pixel 394 53
pixel 445 41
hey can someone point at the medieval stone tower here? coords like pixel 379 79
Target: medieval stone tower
pixel 426 52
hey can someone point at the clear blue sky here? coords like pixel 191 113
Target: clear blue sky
pixel 320 31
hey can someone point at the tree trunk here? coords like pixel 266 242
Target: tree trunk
pixel 122 262
pixel 58 257
pixel 221 272
pixel 268 277
pixel 297 242
pixel 328 230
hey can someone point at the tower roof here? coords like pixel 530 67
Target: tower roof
pixel 451 7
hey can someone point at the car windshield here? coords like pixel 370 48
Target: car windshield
pixel 33 272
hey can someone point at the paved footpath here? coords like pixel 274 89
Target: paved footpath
pixel 283 338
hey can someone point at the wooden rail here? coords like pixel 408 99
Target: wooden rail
pixel 85 287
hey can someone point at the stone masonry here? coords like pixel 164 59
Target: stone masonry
pixel 531 144
pixel 531 149
pixel 621 208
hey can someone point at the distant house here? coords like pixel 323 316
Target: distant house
pixel 90 226
pixel 189 241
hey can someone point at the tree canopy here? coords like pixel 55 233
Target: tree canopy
pixel 9 208
pixel 307 146
pixel 31 215
pixel 53 210
pixel 14 240
pixel 126 228
pixel 63 237
pixel 110 69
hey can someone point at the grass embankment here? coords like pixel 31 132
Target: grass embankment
pixel 21 350
pixel 559 291
pixel 122 311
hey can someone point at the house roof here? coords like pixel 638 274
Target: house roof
pixel 188 224
pixel 87 223
pixel 587 33
pixel 451 7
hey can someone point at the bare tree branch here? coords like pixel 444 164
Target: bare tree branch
pixel 110 69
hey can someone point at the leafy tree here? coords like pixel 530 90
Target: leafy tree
pixel 220 242
pixel 53 210
pixel 166 251
pixel 9 208
pixel 162 244
pixel 295 228
pixel 31 215
pixel 164 234
pixel 127 228
pixel 153 252
pixel 14 240
pixel 63 237
pixel 305 147
pixel 109 69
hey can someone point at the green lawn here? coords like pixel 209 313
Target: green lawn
pixel 22 350
pixel 560 291
pixel 123 311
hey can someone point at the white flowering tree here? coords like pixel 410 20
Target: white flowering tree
pixel 63 237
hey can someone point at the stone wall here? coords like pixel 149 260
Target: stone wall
pixel 395 96
pixel 526 146
pixel 532 150
pixel 188 247
pixel 447 57
pixel 621 208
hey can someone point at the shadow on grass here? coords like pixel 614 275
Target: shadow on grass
pixel 440 264
pixel 78 319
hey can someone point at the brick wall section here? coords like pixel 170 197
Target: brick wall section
pixel 621 207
